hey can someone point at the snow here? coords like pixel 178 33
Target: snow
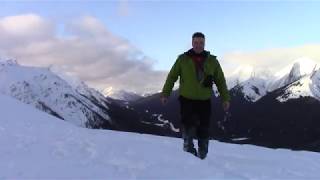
pixel 315 85
pixel 292 73
pixel 254 88
pixel 303 80
pixel 160 118
pixel 297 89
pixel 163 123
pixel 304 66
pixel 307 86
pixel 240 139
pixel 299 75
pixel 253 81
pixel 121 94
pixel 35 145
pixel 245 73
pixel 241 74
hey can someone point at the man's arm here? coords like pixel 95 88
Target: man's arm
pixel 220 81
pixel 171 79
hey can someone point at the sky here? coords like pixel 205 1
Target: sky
pixel 117 43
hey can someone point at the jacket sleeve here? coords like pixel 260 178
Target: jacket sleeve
pixel 171 78
pixel 220 81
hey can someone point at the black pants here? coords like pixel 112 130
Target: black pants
pixel 196 113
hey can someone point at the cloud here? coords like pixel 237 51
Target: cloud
pixel 23 29
pixel 271 59
pixel 87 50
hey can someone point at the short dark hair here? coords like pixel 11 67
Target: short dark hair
pixel 198 34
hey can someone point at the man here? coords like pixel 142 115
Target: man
pixel 197 70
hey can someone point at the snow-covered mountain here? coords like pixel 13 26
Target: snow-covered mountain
pixel 35 145
pixel 300 77
pixel 121 94
pixel 302 80
pixel 54 92
pixel 251 82
pixel 69 99
pixel 253 88
pixel 292 73
pixel 306 86
pixel 241 74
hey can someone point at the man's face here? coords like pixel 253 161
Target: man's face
pixel 198 44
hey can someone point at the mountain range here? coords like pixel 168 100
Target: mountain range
pixel 269 109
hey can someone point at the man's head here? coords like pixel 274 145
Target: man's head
pixel 198 42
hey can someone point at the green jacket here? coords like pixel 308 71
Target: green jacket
pixel 190 86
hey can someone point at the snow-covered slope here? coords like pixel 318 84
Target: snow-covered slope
pixel 72 101
pixel 35 145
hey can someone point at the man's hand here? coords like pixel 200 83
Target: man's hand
pixel 164 100
pixel 226 106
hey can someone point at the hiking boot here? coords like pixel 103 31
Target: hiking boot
pixel 188 146
pixel 203 145
pixel 187 135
